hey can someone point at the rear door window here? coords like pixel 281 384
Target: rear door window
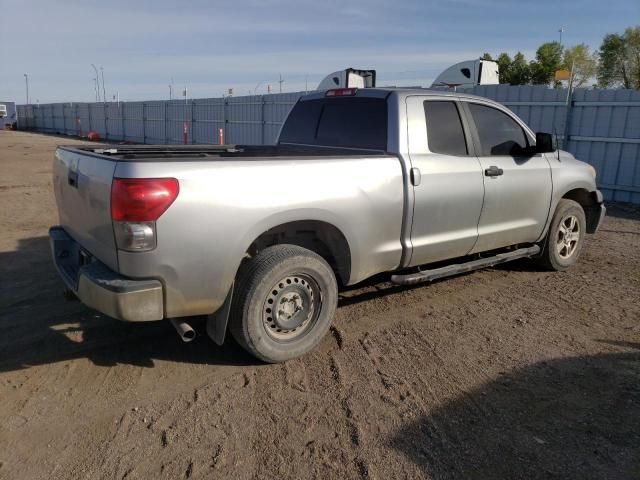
pixel 356 122
pixel 444 128
pixel 499 133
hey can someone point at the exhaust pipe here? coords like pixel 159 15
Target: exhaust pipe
pixel 185 332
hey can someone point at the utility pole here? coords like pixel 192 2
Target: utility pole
pixel 26 82
pixel 104 95
pixel 280 81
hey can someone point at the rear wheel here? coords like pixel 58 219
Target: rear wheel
pixel 285 302
pixel 565 237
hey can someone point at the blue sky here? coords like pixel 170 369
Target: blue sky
pixel 210 46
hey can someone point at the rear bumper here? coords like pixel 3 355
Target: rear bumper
pixel 102 289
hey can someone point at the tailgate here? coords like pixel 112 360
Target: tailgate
pixel 82 186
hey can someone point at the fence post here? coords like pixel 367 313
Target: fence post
pixel 106 120
pixel 193 121
pixel 144 123
pixel 262 122
pixel 225 117
pixel 124 135
pixel 567 121
pixel 166 121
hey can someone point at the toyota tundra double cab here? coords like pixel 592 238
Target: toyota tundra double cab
pixel 417 183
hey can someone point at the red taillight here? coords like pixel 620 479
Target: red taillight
pixel 141 199
pixel 341 92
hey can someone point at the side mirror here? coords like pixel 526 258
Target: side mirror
pixel 544 143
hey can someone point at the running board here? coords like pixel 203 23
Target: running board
pixel 449 270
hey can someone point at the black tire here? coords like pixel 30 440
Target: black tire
pixel 560 250
pixel 304 288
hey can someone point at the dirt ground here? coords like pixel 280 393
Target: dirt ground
pixel 510 372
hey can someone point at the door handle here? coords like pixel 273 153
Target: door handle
pixel 493 171
pixel 72 178
pixel 416 176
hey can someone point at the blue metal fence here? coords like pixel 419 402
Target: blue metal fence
pixel 601 127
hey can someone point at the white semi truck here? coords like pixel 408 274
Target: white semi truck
pixel 463 74
pixel 468 74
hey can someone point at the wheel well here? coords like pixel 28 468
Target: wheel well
pixel 319 237
pixel 589 203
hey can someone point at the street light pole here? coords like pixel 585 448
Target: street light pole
pixel 97 83
pixel 26 82
pixel 104 95
pixel 95 88
pixel 560 32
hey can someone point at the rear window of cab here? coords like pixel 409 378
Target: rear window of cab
pixel 356 122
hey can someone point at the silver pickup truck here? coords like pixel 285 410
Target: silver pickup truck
pixel 418 183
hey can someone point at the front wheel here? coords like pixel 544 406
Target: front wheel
pixel 566 236
pixel 285 302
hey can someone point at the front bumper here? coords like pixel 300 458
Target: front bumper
pixel 102 289
pixel 596 214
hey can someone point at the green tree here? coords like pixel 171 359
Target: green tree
pixel 632 41
pixel 513 72
pixel 548 60
pixel 520 72
pixel 582 61
pixel 619 59
pixel 612 65
pixel 504 68
pixel 486 56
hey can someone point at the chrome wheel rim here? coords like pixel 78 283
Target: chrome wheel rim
pixel 568 236
pixel 291 308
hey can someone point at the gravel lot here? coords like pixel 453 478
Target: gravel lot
pixel 510 373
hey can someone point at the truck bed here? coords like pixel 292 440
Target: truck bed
pixel 229 196
pixel 154 153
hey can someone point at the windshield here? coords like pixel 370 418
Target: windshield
pixel 356 122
